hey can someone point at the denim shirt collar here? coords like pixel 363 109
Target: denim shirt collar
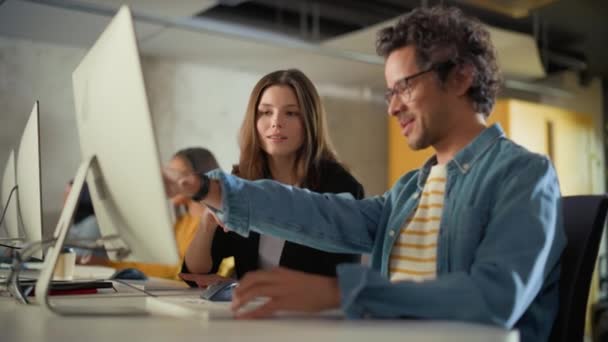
pixel 465 159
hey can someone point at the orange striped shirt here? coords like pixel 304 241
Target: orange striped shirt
pixel 414 254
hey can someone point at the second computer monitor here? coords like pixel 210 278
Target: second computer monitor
pixel 21 189
pixel 29 190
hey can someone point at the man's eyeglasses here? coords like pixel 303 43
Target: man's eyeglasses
pixel 403 87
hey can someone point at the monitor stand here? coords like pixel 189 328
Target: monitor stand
pixel 57 243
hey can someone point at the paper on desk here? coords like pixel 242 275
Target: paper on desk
pixel 93 272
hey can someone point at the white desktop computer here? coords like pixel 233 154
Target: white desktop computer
pixel 21 187
pixel 120 159
pixel 29 189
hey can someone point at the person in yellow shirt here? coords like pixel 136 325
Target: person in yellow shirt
pixel 188 213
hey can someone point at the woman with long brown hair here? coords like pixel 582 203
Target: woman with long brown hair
pixel 284 138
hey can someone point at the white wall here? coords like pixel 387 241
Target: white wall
pixel 191 104
pixel 358 129
pixel 195 105
pixel 29 72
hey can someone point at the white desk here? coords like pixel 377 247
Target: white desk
pixel 29 323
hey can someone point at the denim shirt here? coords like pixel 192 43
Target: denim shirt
pixel 498 249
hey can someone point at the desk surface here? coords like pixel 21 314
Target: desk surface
pixel 31 323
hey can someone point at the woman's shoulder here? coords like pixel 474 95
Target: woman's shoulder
pixel 335 177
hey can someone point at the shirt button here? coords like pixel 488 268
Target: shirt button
pixel 466 167
pixel 391 233
pixel 415 194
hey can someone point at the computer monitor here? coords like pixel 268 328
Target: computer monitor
pixel 29 189
pixel 10 211
pixel 119 154
pixel 22 179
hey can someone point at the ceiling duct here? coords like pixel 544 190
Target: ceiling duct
pixel 518 55
pixel 176 9
pixel 214 43
pixel 77 23
pixel 511 8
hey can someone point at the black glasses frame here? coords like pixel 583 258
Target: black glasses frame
pixel 403 85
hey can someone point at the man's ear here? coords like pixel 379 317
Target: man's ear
pixel 461 79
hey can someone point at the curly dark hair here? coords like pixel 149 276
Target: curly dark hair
pixel 443 34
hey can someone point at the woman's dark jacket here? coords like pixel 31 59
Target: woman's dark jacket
pixel 333 178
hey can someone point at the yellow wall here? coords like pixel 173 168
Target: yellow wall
pixel 402 159
pixel 573 152
pixel 572 141
pixel 527 124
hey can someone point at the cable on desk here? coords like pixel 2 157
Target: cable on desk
pixel 8 200
pixel 20 257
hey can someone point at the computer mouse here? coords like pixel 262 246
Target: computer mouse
pixel 219 292
pixel 129 274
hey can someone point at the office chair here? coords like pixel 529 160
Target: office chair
pixel 584 218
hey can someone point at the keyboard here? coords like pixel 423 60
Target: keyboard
pixel 194 307
pixel 198 308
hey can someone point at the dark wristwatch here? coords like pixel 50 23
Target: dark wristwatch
pixel 203 190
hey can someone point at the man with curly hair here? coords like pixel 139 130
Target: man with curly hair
pixel 474 235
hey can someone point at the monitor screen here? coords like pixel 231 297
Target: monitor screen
pixel 115 130
pixel 10 225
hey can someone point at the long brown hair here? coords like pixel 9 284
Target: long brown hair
pixel 316 148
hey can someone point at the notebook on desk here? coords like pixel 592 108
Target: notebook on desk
pixel 66 287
